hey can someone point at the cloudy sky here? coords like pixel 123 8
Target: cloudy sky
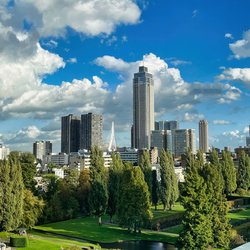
pixel 76 56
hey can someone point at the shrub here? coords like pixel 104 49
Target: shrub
pixel 18 241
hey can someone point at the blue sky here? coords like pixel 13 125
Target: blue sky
pixel 61 57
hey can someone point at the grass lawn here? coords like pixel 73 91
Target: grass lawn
pixel 41 241
pixel 174 229
pixel 240 215
pixel 88 229
pixel 160 213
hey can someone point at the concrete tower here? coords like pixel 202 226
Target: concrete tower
pixel 203 135
pixel 91 130
pixel 143 108
pixel 70 134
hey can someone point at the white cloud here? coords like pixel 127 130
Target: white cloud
pixel 236 74
pixel 241 48
pixel 91 17
pixel 221 122
pixel 195 13
pixel 177 62
pixel 229 35
pixel 72 60
pixel 189 117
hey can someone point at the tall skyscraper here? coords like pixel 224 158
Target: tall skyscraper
pixel 70 134
pixel 166 125
pixel 41 148
pixel 183 140
pixel 248 138
pixel 143 108
pixel 91 130
pixel 203 135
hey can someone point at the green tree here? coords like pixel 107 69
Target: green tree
pixel 11 193
pixel 98 196
pixel 146 168
pixel 228 172
pixel 169 184
pixel 114 184
pixel 155 189
pixel 134 206
pixel 33 207
pixel 197 225
pixel 83 191
pixel 243 173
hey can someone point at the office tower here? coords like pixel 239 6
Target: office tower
pixel 70 134
pixel 183 140
pixel 166 125
pixel 248 138
pixel 168 141
pixel 4 152
pixel 203 135
pixel 158 139
pixel 91 130
pixel 41 148
pixel 143 108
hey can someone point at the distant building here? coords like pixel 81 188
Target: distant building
pixel 128 154
pixel 41 148
pixel 4 152
pixel 60 159
pixel 162 139
pixel 203 135
pixel 70 134
pixel 91 131
pixel 248 138
pixel 143 108
pixel 241 149
pixel 183 139
pixel 166 125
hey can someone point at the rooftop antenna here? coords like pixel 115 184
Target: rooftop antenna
pixel 112 142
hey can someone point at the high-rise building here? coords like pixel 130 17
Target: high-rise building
pixel 248 138
pixel 70 134
pixel 143 108
pixel 41 148
pixel 203 135
pixel 166 125
pixel 183 140
pixel 91 130
pixel 4 152
pixel 158 139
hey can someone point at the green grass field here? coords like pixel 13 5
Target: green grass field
pixel 240 215
pixel 88 229
pixel 41 241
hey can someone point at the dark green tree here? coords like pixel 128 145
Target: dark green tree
pixel 155 189
pixel 98 196
pixel 33 208
pixel 169 184
pixel 114 184
pixel 11 193
pixel 197 225
pixel 243 173
pixel 134 205
pixel 146 168
pixel 228 173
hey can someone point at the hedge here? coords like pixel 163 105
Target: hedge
pixel 18 241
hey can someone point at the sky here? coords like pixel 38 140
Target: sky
pixel 59 57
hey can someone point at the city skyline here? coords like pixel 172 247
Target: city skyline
pixel 197 52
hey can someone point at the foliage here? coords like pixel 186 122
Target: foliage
pixel 33 207
pixel 169 184
pixel 243 173
pixel 146 168
pixel 228 172
pixel 155 189
pixel 114 184
pixel 134 204
pixel 11 193
pixel 18 241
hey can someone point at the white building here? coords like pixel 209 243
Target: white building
pixel 128 154
pixel 4 152
pixel 60 159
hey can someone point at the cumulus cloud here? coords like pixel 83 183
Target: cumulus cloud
pixel 189 117
pixel 221 122
pixel 241 48
pixel 88 17
pixel 229 35
pixel 236 74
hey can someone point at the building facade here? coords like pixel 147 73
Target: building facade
pixel 143 108
pixel 183 140
pixel 4 152
pixel 203 136
pixel 166 125
pixel 41 148
pixel 91 130
pixel 70 133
